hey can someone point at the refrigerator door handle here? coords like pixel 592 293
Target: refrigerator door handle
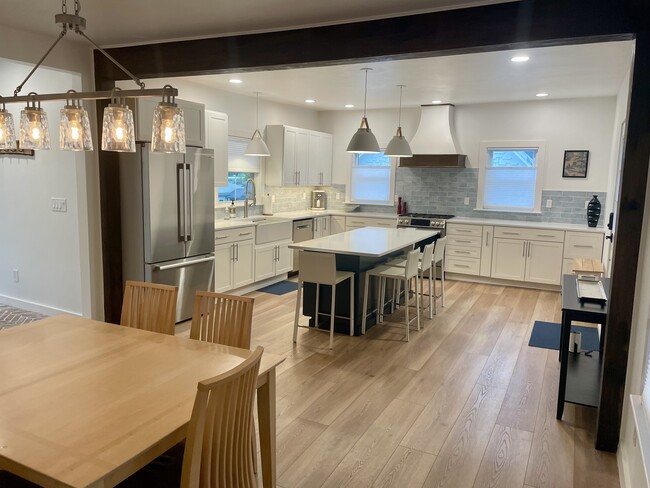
pixel 189 185
pixel 180 195
pixel 184 264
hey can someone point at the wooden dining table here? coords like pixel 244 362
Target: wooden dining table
pixel 86 404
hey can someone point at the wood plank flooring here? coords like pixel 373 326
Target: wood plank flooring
pixel 466 403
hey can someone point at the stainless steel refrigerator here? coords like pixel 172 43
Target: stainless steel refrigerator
pixel 167 207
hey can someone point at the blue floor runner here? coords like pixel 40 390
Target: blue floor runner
pixel 547 336
pixel 280 288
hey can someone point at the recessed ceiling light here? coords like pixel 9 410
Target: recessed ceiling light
pixel 235 81
pixel 349 105
pixel 309 100
pixel 436 102
pixel 541 95
pixel 519 59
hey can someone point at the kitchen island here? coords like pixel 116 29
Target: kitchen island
pixel 357 250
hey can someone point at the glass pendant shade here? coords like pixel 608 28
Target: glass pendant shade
pixel 118 133
pixel 398 147
pixel 363 141
pixel 74 130
pixel 7 130
pixel 257 146
pixel 34 129
pixel 168 133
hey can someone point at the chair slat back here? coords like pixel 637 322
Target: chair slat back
pixel 439 251
pixel 217 451
pixel 412 259
pixel 317 267
pixel 427 256
pixel 149 306
pixel 222 319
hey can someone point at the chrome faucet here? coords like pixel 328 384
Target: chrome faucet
pixel 247 193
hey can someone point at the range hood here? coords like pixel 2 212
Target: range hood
pixel 434 144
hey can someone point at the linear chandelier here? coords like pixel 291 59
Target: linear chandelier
pixel 118 133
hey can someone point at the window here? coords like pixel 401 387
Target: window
pixel 509 177
pixel 372 179
pixel 240 168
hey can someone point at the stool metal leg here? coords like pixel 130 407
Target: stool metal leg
pixel 364 311
pixel 351 305
pixel 295 322
pixel 332 313
pixel 407 287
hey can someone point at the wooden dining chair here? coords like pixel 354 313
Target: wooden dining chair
pixel 149 306
pixel 222 319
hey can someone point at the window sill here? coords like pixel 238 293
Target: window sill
pixel 526 212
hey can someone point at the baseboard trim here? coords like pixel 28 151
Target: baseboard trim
pixel 35 307
pixel 496 281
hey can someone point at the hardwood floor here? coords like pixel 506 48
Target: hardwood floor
pixel 466 403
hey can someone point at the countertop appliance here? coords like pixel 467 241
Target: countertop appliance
pixel 167 205
pixel 425 221
pixel 303 230
pixel 318 200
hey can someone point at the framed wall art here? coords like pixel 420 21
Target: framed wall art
pixel 575 164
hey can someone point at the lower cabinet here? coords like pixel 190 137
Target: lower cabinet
pixel 337 224
pixel 522 260
pixel 233 265
pixel 321 226
pixel 272 260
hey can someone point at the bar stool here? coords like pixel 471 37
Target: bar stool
pixel 425 263
pixel 399 274
pixel 439 263
pixel 320 268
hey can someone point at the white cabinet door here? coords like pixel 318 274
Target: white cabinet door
pixel 544 262
pixel 289 172
pixel 284 261
pixel 216 137
pixel 486 250
pixel 302 156
pixel 337 224
pixel 265 262
pixel 223 255
pixel 325 226
pixel 314 170
pixel 325 158
pixel 243 264
pixel 508 259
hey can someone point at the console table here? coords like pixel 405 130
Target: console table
pixel 579 374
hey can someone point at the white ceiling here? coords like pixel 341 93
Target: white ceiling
pixel 586 70
pixel 116 22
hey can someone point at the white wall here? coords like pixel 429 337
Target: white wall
pixel 585 123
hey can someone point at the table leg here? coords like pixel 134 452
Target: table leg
pixel 564 360
pixel 266 416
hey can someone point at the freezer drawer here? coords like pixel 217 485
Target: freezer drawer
pixel 189 275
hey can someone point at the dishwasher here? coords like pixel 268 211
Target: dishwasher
pixel 303 230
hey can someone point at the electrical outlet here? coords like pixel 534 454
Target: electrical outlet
pixel 338 196
pixel 304 196
pixel 16 275
pixel 466 201
pixel 272 198
pixel 59 205
pixel 586 203
pixel 549 203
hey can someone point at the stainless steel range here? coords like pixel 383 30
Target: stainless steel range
pixel 424 221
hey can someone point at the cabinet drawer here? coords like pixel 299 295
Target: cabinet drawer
pixel 583 245
pixel 462 265
pixel 470 252
pixel 464 241
pixel 225 236
pixel 547 235
pixel 454 229
pixel 357 222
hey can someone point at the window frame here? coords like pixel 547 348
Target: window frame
pixel 391 197
pixel 484 148
pixel 257 175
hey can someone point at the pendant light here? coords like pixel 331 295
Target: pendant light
pixel 168 126
pixel 257 146
pixel 34 129
pixel 7 129
pixel 118 133
pixel 398 147
pixel 74 129
pixel 364 141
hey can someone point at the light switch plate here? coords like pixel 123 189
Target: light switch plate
pixel 586 203
pixel 59 205
pixel 549 203
pixel 16 275
pixel 272 198
pixel 338 196
pixel 304 196
pixel 466 200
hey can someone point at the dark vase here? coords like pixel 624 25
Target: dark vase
pixel 593 212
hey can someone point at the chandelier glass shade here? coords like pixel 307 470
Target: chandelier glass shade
pixel 168 135
pixel 74 128
pixel 118 132
pixel 7 130
pixel 34 128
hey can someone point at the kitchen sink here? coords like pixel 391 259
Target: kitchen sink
pixel 270 229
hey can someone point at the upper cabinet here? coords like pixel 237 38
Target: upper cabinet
pixel 299 157
pixel 216 137
pixel 193 114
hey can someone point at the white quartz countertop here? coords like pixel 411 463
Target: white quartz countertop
pixel 367 241
pixel 535 225
pixel 297 215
